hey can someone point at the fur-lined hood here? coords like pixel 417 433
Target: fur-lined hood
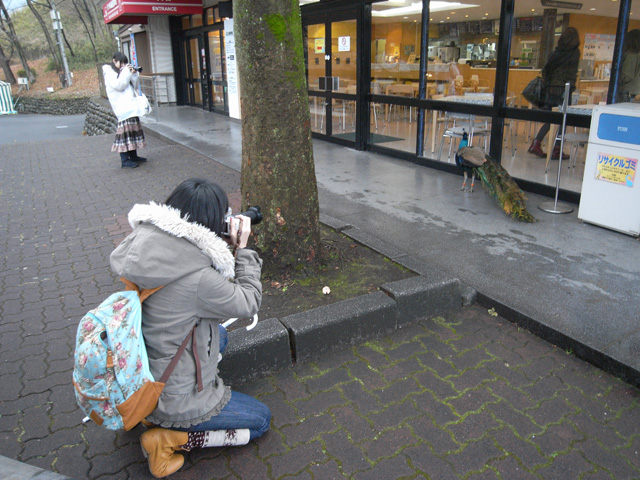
pixel 161 248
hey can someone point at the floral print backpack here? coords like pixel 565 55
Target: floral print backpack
pixel 111 376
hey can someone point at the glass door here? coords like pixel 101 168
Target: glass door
pixel 218 71
pixel 195 69
pixel 332 55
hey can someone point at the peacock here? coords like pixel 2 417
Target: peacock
pixel 494 178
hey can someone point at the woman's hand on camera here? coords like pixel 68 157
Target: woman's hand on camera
pixel 240 234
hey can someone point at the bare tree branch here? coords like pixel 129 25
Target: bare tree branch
pixel 52 46
pixel 7 28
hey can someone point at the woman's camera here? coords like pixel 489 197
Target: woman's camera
pixel 135 69
pixel 253 213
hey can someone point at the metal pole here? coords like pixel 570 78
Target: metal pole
pixel 562 207
pixel 57 26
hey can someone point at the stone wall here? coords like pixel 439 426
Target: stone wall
pixel 100 118
pixel 62 106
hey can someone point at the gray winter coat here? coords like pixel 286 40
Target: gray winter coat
pixel 197 270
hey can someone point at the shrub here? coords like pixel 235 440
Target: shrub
pixel 51 65
pixel 84 56
pixel 23 73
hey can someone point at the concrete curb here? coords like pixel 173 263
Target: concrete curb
pixel 352 321
pixel 15 470
pixel 595 357
pixel 279 343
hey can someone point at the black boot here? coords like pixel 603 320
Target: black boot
pixel 133 155
pixel 126 161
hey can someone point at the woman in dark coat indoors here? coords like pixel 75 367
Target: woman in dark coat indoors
pixel 562 67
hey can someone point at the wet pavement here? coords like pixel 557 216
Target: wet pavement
pixel 465 395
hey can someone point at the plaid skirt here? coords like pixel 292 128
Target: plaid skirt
pixel 129 136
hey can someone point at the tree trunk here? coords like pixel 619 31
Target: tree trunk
pixel 50 42
pixel 95 54
pixel 8 74
pixel 7 28
pixel 86 9
pixel 67 42
pixel 278 172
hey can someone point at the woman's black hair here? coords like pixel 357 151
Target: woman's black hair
pixel 118 57
pixel 632 41
pixel 201 201
pixel 570 38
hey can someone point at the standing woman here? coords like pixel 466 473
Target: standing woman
pixel 630 71
pixel 179 246
pixel 562 67
pixel 120 80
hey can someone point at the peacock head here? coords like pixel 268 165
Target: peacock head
pixel 465 139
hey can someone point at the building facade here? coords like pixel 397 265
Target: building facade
pixel 405 78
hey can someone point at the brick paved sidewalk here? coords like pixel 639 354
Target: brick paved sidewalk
pixel 464 396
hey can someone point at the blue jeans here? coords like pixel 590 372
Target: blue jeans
pixel 242 411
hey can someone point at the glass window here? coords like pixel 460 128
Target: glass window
pixel 343 48
pixel 462 48
pixel 395 47
pixel 196 20
pixel 629 86
pixel 576 46
pixel 186 22
pixel 315 54
pixel 541 37
pixel 209 16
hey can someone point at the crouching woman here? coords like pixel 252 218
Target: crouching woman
pixel 179 246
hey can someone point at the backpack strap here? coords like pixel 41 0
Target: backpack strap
pixel 174 361
pixel 144 294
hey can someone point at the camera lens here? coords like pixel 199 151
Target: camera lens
pixel 254 214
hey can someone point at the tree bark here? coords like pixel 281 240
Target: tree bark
pixel 278 172
pixel 67 43
pixel 50 42
pixel 7 28
pixel 8 74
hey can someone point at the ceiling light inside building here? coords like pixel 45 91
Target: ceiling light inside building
pixel 416 7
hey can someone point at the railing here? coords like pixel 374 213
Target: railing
pixel 158 87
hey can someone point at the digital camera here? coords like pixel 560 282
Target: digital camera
pixel 253 213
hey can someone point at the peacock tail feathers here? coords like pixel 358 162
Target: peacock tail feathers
pixel 501 186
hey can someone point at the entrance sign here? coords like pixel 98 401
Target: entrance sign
pixel 136 11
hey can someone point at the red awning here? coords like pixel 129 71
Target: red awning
pixel 136 11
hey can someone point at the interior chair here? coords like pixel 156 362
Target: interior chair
pixel 376 89
pixel 511 124
pixel 404 90
pixel 574 139
pixel 434 123
pixel 456 124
